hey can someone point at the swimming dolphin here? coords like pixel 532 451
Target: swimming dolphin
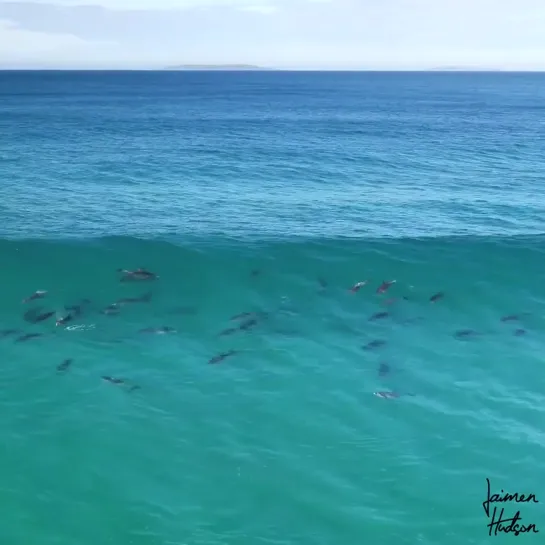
pixel 379 316
pixel 434 298
pixel 247 324
pixel 39 294
pixel 43 317
pixel 64 320
pixel 386 395
pixel 390 395
pixel 385 285
pixel 220 357
pixel 111 309
pixel 113 380
pixel 356 287
pixel 119 381
pixel 138 274
pixel 465 333
pixel 64 365
pixel 513 317
pixel 374 344
pixel 27 337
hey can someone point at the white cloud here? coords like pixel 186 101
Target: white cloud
pixel 128 5
pixel 28 48
pixel 21 45
pixel 283 33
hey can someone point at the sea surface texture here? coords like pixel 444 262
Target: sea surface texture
pixel 274 194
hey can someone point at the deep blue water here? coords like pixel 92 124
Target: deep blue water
pixel 274 193
pixel 262 153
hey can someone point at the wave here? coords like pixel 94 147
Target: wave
pixel 180 240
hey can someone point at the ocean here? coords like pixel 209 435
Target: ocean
pixel 271 194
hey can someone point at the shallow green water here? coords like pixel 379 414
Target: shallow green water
pixel 283 442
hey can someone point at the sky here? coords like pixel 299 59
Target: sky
pixel 285 34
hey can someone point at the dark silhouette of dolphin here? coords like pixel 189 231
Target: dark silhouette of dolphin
pixel 138 274
pixel 358 285
pixel 65 320
pixel 44 316
pixel 385 286
pixel 465 333
pixel 28 336
pixel 374 344
pixel 64 365
pixel 39 294
pixel 119 381
pixel 390 395
pixel 220 357
pixel 387 395
pixel 247 324
pixel 113 380
pixel 111 310
pixel 33 315
pixel 513 317
pixel 379 316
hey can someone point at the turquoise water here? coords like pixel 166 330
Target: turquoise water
pixel 271 193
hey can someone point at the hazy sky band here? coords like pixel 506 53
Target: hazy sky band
pixel 344 34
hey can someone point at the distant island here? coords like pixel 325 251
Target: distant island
pixel 465 69
pixel 215 67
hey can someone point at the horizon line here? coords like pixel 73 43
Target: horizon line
pixel 272 69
